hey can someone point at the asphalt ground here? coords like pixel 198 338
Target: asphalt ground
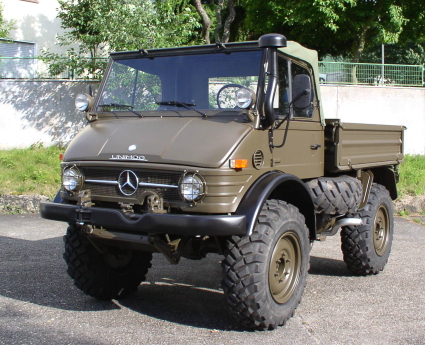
pixel 184 304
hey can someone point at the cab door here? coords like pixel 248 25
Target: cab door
pixel 303 151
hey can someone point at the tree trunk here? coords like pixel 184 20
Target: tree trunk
pixel 219 20
pixel 206 21
pixel 357 50
pixel 229 21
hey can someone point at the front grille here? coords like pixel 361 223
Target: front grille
pixel 145 176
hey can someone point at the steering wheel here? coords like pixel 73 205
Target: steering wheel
pixel 224 88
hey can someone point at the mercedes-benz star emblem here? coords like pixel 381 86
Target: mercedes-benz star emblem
pixel 128 182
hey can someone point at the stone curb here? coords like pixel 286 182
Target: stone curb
pixel 14 204
pixel 410 204
pixel 30 204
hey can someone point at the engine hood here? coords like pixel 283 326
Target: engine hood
pixel 189 141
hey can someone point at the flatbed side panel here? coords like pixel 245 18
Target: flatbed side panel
pixel 356 146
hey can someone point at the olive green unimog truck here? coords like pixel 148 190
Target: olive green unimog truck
pixel 222 149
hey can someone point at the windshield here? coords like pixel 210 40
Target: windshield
pixel 185 82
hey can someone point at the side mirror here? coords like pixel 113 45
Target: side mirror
pixel 301 91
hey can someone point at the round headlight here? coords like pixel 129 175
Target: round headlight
pixel 192 187
pixel 244 98
pixel 83 101
pixel 71 179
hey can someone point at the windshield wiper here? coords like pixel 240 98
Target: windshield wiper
pixel 125 106
pixel 183 105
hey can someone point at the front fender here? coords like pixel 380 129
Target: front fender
pixel 281 186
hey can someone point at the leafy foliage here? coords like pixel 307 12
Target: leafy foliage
pixel 98 27
pixel 334 27
pixel 408 54
pixel 179 23
pixel 5 26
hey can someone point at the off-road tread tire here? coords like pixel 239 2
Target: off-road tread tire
pixel 335 195
pixel 94 276
pixel 357 241
pixel 246 266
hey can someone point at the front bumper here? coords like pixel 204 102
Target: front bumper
pixel 155 223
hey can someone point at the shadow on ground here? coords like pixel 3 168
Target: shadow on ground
pixel 188 293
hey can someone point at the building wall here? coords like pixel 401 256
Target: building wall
pixel 44 111
pixel 35 22
pixel 382 105
pixel 39 112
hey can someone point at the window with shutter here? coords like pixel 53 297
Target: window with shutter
pixel 17 59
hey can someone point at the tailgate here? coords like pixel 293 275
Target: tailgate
pixel 356 146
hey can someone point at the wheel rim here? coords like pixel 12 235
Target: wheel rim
pixel 285 267
pixel 381 234
pixel 118 261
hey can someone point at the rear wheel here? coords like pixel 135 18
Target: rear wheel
pixel 104 272
pixel 366 248
pixel 264 274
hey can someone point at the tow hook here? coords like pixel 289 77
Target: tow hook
pixel 86 229
pixel 171 250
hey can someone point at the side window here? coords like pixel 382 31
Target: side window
pixel 308 112
pixel 281 101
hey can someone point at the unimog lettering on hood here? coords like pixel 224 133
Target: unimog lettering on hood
pixel 230 154
pixel 129 158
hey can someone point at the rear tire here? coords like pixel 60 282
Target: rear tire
pixel 113 274
pixel 366 248
pixel 264 274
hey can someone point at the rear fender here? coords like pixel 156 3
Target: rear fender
pixel 281 186
pixel 386 177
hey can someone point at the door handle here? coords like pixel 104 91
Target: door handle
pixel 315 146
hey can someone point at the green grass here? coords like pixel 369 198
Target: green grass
pixel 412 175
pixel 34 170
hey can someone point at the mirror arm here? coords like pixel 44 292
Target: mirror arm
pixel 272 146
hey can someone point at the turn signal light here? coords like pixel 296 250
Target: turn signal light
pixel 238 163
pixel 61 156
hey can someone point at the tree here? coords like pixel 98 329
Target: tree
pixel 178 23
pixel 335 27
pixel 5 26
pixel 213 16
pixel 409 53
pixel 99 27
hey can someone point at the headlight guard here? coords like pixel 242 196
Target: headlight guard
pixel 72 179
pixel 192 187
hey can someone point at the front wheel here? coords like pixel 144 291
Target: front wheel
pixel 264 274
pixel 103 272
pixel 366 248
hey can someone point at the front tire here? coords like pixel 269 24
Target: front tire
pixel 264 274
pixel 114 273
pixel 366 248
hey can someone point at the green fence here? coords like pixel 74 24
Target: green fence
pixel 330 72
pixel 371 74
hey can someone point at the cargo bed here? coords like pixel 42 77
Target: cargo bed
pixel 352 146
